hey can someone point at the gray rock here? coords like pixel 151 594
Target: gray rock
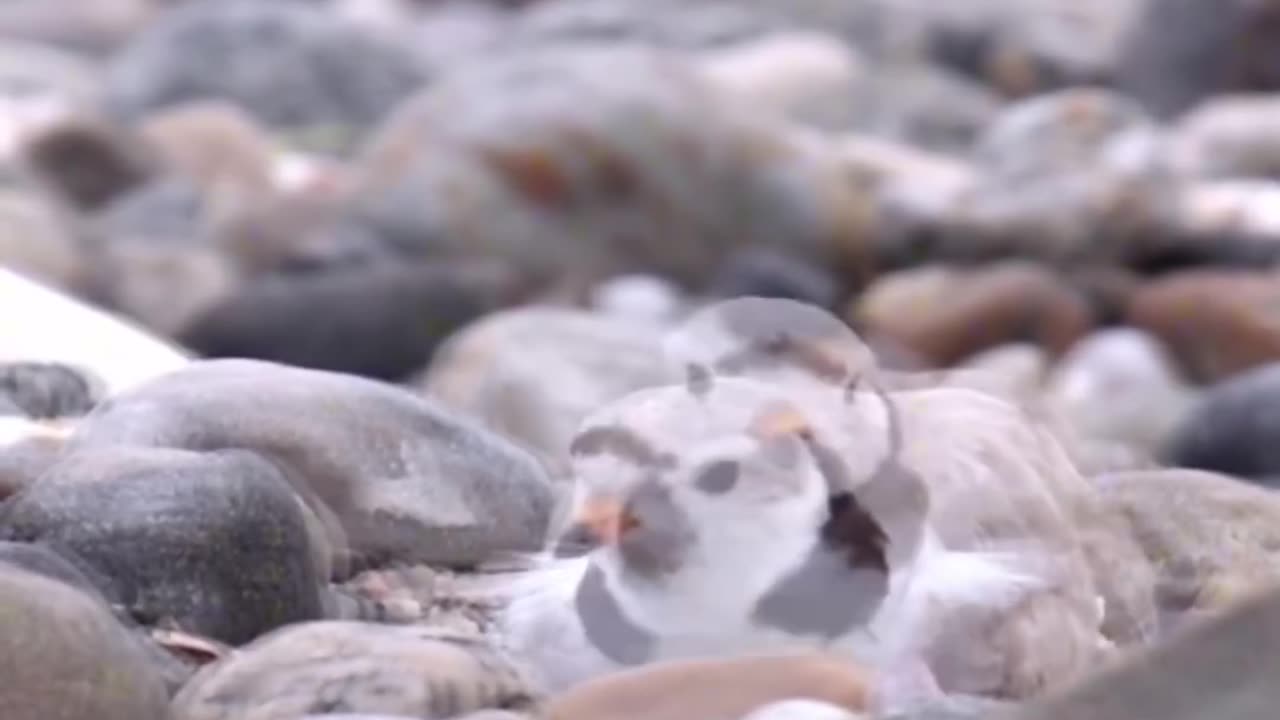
pixel 533 374
pixel 65 656
pixel 382 320
pixel 924 106
pixel 92 27
pixel 604 160
pixel 1181 51
pixel 1233 429
pixel 766 272
pixel 62 566
pixel 1177 515
pixel 354 668
pixel 394 477
pixel 48 390
pixel 214 541
pixel 289 64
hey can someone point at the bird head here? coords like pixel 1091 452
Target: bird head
pixel 700 500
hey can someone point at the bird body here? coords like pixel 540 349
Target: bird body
pixel 929 552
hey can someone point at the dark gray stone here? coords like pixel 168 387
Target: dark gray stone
pixel 1234 429
pixel 393 476
pixel 215 541
pixel 382 320
pixel 45 390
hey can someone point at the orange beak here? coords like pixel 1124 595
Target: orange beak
pixel 605 520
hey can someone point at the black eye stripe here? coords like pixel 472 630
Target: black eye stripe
pixel 717 478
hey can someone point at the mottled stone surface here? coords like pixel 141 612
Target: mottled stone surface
pixel 1212 539
pixel 336 667
pixel 394 476
pixel 214 541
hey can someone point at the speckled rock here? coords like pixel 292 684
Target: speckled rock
pixel 1216 323
pixel 1178 515
pixel 1232 429
pixel 1210 671
pixel 947 314
pixel 603 160
pixel 533 374
pixel 355 668
pixel 394 476
pixel 382 320
pixel 214 541
pixel 282 62
pixel 66 656
pixel 715 689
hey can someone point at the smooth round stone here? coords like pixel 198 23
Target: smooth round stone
pixel 394 477
pixel 356 668
pixel 216 541
pixel 63 655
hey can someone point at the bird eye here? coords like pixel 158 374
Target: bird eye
pixel 718 478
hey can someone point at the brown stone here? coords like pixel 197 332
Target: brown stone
pixel 1216 322
pixel 214 143
pixel 946 315
pixel 715 689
